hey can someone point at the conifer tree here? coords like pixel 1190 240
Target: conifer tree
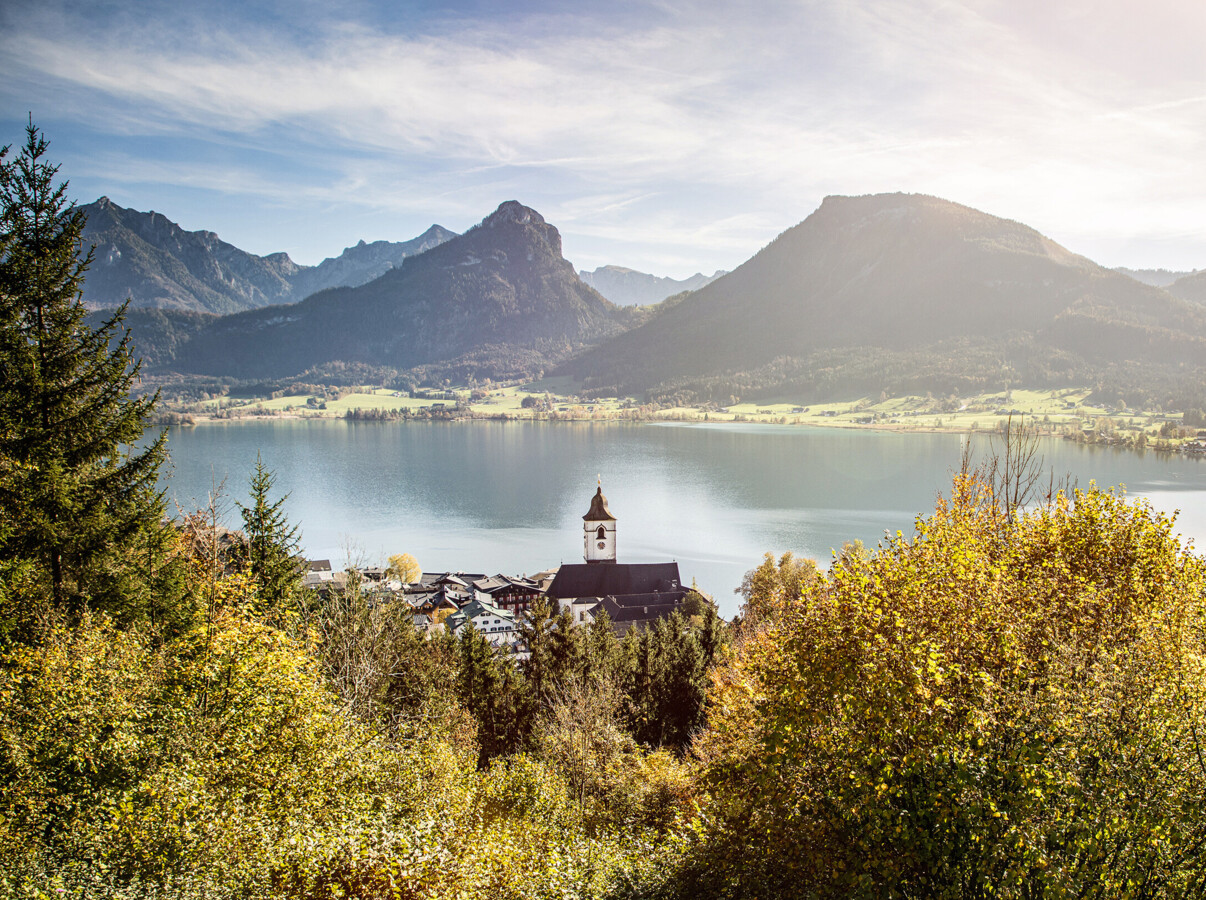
pixel 492 691
pixel 76 494
pixel 272 543
pixel 536 630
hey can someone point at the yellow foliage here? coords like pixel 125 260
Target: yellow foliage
pixel 1004 703
pixel 404 567
pixel 219 764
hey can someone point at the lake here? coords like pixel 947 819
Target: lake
pixel 509 496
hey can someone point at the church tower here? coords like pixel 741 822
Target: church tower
pixel 599 530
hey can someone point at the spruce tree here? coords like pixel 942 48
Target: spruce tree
pixel 76 494
pixel 272 544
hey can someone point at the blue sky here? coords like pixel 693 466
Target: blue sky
pixel 667 136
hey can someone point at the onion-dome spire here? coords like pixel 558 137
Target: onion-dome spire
pixel 598 508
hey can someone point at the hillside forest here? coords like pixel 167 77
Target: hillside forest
pixel 1010 701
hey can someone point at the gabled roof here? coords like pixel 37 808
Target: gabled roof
pixel 637 601
pixel 460 579
pixel 433 600
pixel 614 579
pixel 482 608
pixel 477 608
pixel 491 584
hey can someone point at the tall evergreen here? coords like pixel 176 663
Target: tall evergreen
pixel 272 543
pixel 667 683
pixel 493 692
pixel 76 494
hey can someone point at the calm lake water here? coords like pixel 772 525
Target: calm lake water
pixel 509 496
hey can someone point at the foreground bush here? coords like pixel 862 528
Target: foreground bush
pixel 218 764
pixel 993 707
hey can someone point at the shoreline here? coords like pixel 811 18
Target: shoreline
pixel 200 421
pixel 1062 413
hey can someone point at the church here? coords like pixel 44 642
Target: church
pixel 632 594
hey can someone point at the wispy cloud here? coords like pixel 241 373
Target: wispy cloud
pixel 712 120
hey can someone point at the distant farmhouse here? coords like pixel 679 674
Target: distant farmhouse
pixel 631 594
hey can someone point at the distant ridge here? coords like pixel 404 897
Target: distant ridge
pixel 895 292
pixel 364 262
pixel 152 261
pixel 1155 277
pixel 627 287
pixel 1190 287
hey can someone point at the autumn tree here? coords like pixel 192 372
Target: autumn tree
pixel 404 567
pixel 77 493
pixel 1011 703
pixel 766 589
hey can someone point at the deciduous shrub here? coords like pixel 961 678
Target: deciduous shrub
pixel 990 707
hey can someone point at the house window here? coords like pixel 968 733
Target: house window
pixel 601 533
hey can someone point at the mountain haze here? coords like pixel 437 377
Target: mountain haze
pixel 1155 277
pixel 152 261
pixel 872 292
pixel 500 298
pixel 364 262
pixel 627 287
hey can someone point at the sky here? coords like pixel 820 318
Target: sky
pixel 669 137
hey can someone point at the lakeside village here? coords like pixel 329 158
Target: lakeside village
pixel 631 594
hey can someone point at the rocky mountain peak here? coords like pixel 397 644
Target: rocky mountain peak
pixel 513 212
pixel 513 216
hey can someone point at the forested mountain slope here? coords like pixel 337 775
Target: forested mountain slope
pixel 1190 287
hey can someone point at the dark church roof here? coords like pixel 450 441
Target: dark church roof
pixel 625 613
pixel 598 511
pixel 614 580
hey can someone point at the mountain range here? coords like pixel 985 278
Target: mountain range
pixel 888 292
pixel 150 260
pixel 499 300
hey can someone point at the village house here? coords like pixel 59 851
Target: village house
pixel 498 626
pixel 513 594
